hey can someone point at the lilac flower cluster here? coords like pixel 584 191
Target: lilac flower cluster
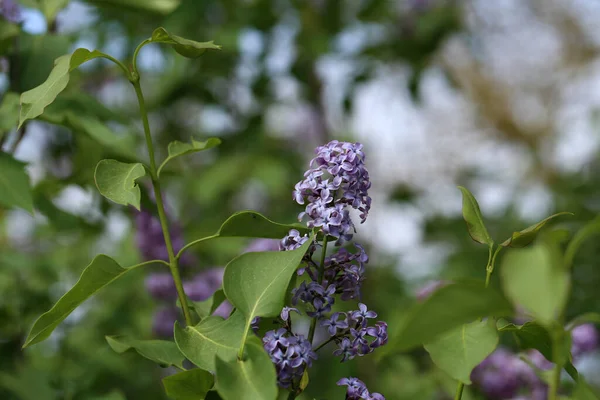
pixel 336 181
pixel 357 390
pixel 503 375
pixel 10 11
pixel 151 242
pixel 337 178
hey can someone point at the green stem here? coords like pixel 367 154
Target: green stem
pixel 319 347
pixel 135 80
pixel 459 391
pixel 313 323
pixel 292 395
pixel 555 378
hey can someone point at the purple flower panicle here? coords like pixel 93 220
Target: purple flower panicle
pixel 357 390
pixel 290 353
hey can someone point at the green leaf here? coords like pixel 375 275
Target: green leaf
pixel 249 224
pixel 535 279
pixel 102 271
pixel 208 306
pixel 14 184
pixel 116 181
pixel 256 283
pixel 590 317
pixel 532 335
pixel 162 352
pixel 459 351
pixel 474 219
pixel 157 6
pixel 178 149
pixel 185 47
pixel 252 378
pixel 189 385
pixel 528 235
pixel 212 336
pixel 51 7
pixel 9 112
pixel 590 229
pixel 35 100
pixel 583 391
pixel 448 308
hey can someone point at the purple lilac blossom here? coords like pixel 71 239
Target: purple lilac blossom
pixel 161 286
pixel 290 353
pixel 336 181
pixel 164 320
pixel 357 390
pixel 584 339
pixel 10 11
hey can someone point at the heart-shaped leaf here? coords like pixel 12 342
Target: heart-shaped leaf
pixel 526 236
pixel 448 308
pixel 212 336
pixel 459 351
pixel 116 181
pixel 162 352
pixel 102 271
pixel 474 219
pixel 252 378
pixel 178 149
pixel 15 190
pixel 535 279
pixel 189 385
pixel 249 224
pixel 35 100
pixel 256 283
pixel 185 47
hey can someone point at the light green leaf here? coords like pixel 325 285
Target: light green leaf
pixel 532 335
pixel 116 181
pixel 448 308
pixel 35 100
pixel 212 336
pixel 178 149
pixel 526 236
pixel 157 6
pixel 185 47
pixel 51 7
pixel 162 352
pixel 189 385
pixel 459 351
pixel 535 279
pixel 586 318
pixel 583 391
pixel 9 112
pixel 249 224
pixel 15 190
pixel 474 219
pixel 256 283
pixel 252 378
pixel 208 306
pixel 102 271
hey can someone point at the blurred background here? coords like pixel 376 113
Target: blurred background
pixel 501 96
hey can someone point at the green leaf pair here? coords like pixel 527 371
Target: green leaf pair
pixel 185 47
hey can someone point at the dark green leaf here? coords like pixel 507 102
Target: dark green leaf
pixel 9 112
pixel 189 385
pixel 446 309
pixel 212 336
pixel 35 100
pixel 252 378
pixel 162 352
pixel 250 224
pixel 528 235
pixel 532 335
pixel 459 351
pixel 178 149
pixel 102 271
pixel 535 279
pixel 590 229
pixel 116 181
pixel 474 219
pixel 185 47
pixel 14 184
pixel 256 283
